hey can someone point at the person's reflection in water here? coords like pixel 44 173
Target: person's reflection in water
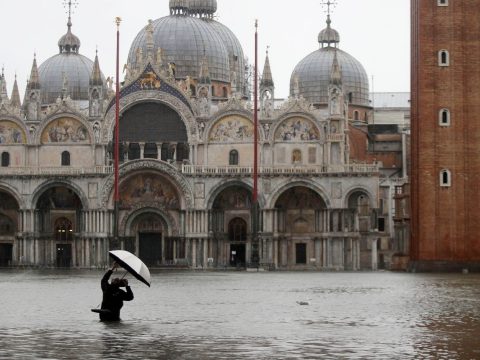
pixel 113 296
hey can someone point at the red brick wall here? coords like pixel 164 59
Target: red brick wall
pixel 446 221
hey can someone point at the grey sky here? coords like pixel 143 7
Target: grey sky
pixel 376 32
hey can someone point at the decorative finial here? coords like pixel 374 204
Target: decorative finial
pixel 118 20
pixel 328 4
pixel 69 11
pixel 268 48
pixel 256 23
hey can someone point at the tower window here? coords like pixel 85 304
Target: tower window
pixel 444 117
pixel 233 158
pixel 442 2
pixel 443 58
pixel 5 159
pixel 65 158
pixel 356 115
pixel 445 178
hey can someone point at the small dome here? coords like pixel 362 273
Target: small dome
pixel 69 42
pixel 313 73
pixel 184 41
pixel 70 69
pixel 328 35
pixel 203 7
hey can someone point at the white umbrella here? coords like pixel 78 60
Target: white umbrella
pixel 132 264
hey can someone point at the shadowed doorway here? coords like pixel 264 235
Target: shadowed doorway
pixel 150 246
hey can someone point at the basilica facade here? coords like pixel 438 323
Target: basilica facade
pixel 186 135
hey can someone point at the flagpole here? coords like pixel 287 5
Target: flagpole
pixel 255 218
pixel 255 120
pixel 116 136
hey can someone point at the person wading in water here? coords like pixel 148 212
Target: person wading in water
pixel 113 296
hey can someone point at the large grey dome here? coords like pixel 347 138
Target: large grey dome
pixel 235 51
pixel 184 41
pixel 312 74
pixel 72 68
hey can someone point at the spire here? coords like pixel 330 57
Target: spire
pixel 3 87
pixel 267 79
pixel 34 82
pixel 69 42
pixel 96 77
pixel 15 98
pixel 204 76
pixel 336 72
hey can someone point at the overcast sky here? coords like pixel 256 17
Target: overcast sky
pixel 375 32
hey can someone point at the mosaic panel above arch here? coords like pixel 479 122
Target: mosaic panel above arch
pixel 11 133
pixel 297 129
pixel 148 188
pixel 65 131
pixel 232 128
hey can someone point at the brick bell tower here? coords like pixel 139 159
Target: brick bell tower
pixel 445 124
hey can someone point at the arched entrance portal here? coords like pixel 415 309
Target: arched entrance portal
pixel 150 230
pixel 231 222
pixel 301 214
pixel 8 227
pixel 237 235
pixel 57 219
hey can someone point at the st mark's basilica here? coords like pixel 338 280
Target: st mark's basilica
pixel 327 177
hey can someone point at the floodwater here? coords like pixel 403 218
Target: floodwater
pixel 243 315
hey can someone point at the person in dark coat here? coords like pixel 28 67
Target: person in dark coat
pixel 113 296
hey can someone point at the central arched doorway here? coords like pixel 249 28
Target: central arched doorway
pixel 237 235
pixel 150 230
pixel 231 219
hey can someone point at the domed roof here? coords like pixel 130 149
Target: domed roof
pixel 235 51
pixel 328 35
pixel 312 74
pixel 69 42
pixel 184 41
pixel 70 69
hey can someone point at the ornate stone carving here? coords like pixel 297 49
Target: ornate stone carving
pixel 145 207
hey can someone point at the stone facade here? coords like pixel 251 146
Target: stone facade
pixel 186 175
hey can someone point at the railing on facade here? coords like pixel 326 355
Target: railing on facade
pixel 63 170
pixel 279 170
pixel 203 170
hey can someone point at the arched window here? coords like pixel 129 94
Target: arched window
pixel 443 58
pixel 356 115
pixel 63 229
pixel 225 92
pixel 237 230
pixel 5 159
pixel 444 117
pixel 150 151
pixel 65 158
pixel 133 151
pixel 233 158
pixel 442 2
pixel 445 178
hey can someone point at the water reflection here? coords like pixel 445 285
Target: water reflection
pixel 46 314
